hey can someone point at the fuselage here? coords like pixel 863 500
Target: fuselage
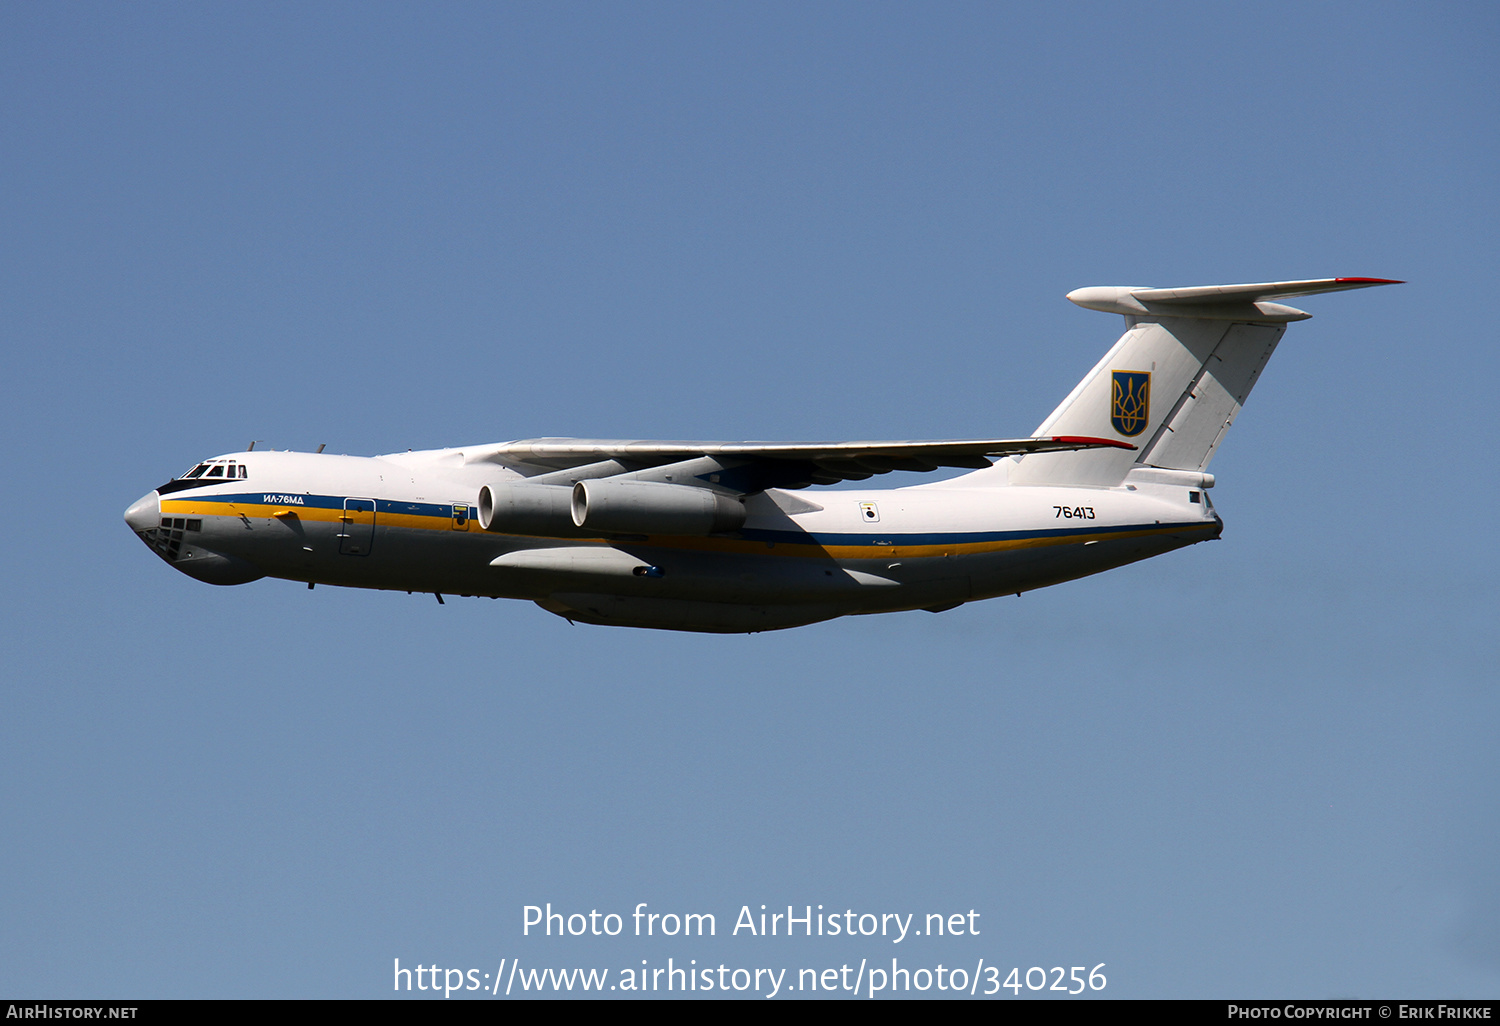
pixel 408 522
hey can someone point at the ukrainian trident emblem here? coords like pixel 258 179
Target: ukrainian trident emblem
pixel 1130 402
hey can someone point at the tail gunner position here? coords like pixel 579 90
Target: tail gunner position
pixel 734 537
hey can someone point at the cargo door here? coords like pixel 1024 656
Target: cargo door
pixel 357 527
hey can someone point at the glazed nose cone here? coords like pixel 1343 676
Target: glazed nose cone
pixel 145 513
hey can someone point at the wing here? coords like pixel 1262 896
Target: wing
pixel 783 464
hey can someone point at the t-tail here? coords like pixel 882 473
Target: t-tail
pixel 1175 380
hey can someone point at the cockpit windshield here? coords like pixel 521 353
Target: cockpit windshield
pixel 217 469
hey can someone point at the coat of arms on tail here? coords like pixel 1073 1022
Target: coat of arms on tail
pixel 1130 402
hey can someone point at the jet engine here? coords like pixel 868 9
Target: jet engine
pixel 526 509
pixel 649 507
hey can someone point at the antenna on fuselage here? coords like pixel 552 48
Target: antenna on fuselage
pixel 322 446
pixel 252 445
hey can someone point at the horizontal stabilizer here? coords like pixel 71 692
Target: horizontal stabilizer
pixel 1216 302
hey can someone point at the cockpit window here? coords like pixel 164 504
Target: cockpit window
pixel 229 469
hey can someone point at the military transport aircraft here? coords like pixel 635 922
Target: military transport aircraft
pixel 726 536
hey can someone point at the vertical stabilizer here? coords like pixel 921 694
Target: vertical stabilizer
pixel 1174 382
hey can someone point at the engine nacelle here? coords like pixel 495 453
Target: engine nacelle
pixel 649 507
pixel 526 509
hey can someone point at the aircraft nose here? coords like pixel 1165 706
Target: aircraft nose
pixel 144 513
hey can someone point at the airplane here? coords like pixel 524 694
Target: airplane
pixel 735 537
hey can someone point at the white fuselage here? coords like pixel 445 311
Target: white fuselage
pixel 408 522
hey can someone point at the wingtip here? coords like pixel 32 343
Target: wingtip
pixel 1369 281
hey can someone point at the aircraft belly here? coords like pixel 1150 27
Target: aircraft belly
pixel 448 562
pixel 689 576
pixel 612 610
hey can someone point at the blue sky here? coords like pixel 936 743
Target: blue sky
pixel 1261 767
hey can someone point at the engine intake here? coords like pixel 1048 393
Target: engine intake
pixel 649 507
pixel 526 509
